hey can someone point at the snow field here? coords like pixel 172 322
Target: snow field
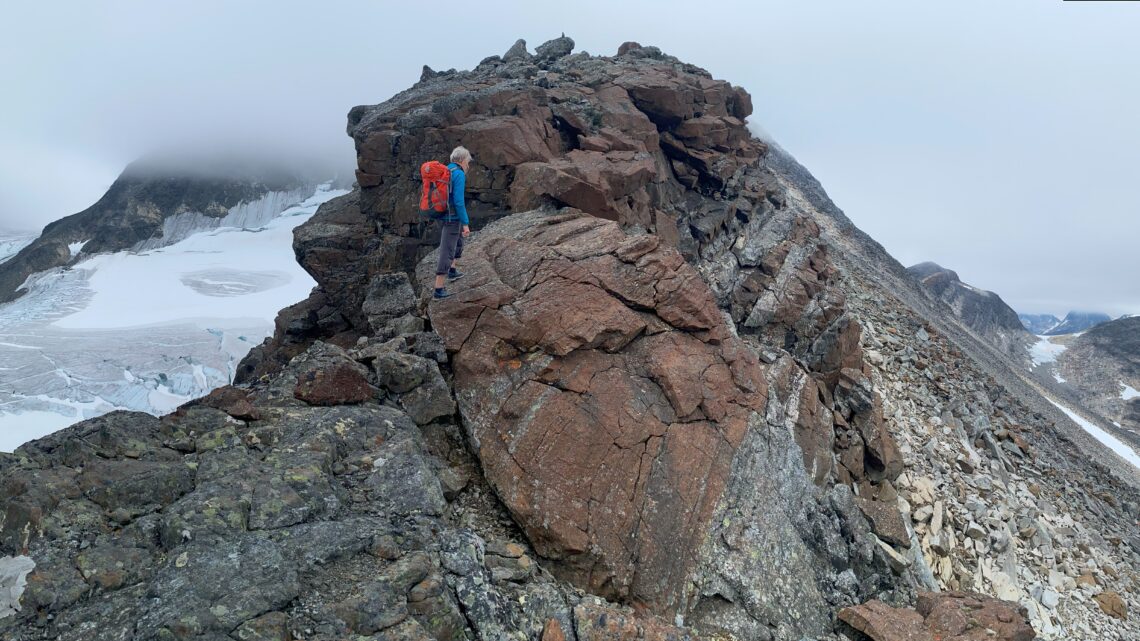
pixel 1109 441
pixel 148 330
pixel 1045 351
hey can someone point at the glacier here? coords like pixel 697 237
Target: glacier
pixel 151 328
pixel 12 242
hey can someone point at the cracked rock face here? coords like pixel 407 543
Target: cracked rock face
pixel 604 393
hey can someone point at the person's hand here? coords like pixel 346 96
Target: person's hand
pixel 466 231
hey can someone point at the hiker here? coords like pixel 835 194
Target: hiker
pixel 455 224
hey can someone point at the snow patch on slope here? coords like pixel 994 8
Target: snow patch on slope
pixel 1129 392
pixel 75 248
pixel 1109 441
pixel 975 289
pixel 1045 351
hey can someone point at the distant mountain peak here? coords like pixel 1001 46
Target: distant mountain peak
pixel 1078 321
pixel 1039 323
pixel 981 310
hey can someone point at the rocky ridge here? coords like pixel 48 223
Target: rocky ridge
pixel 1078 322
pixel 682 398
pixel 984 312
pixel 1102 367
pixel 1039 323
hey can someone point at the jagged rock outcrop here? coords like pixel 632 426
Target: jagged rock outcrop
pixel 585 354
pixel 1007 495
pixel 581 353
pixel 676 396
pixel 982 311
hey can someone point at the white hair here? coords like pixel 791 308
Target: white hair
pixel 460 154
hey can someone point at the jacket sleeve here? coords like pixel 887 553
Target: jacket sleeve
pixel 459 197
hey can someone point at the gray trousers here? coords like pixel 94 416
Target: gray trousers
pixel 450 246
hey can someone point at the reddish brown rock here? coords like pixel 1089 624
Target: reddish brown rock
pixel 1111 604
pixel 566 137
pixel 328 377
pixel 942 616
pixel 886 521
pixel 881 622
pixel 337 385
pixel 552 631
pixel 604 393
pixel 966 616
pixel 610 185
pixel 233 401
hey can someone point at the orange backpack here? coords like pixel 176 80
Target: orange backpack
pixel 437 181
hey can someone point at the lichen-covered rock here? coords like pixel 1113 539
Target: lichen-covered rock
pixel 390 296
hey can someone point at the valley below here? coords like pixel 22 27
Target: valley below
pixel 146 331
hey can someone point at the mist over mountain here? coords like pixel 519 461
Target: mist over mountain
pixel 1039 323
pixel 677 394
pixel 1078 321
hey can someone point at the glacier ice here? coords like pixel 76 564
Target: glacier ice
pixel 148 330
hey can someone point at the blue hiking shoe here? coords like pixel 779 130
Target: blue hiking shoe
pixel 454 274
pixel 440 292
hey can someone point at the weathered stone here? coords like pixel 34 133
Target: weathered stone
pixel 965 616
pixel 517 52
pixel 944 616
pixel 536 374
pixel 402 373
pixel 381 606
pixel 403 483
pixel 109 567
pixel 1111 604
pixel 886 521
pixel 327 376
pixel 881 622
pixel 600 623
pixel 232 400
pixel 552 631
pixel 390 296
pixel 273 626
pixel 554 49
pixel 136 486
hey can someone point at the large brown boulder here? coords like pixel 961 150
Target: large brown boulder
pixel 604 393
pixel 942 616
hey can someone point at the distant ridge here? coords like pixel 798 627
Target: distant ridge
pixel 982 311
pixel 1076 321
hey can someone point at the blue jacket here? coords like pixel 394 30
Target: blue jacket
pixel 456 207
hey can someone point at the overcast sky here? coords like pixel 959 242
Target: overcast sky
pixel 999 139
